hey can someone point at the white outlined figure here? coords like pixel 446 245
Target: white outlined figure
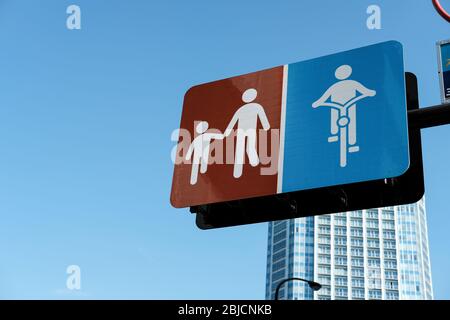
pixel 199 150
pixel 246 118
pixel 343 96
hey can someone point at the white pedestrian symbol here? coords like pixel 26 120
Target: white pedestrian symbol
pixel 343 96
pixel 199 150
pixel 246 118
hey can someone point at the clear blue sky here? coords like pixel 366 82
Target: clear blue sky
pixel 85 124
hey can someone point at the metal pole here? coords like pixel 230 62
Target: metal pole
pixel 429 117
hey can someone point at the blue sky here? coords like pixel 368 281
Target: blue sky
pixel 85 124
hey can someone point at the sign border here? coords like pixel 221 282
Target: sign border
pixel 439 45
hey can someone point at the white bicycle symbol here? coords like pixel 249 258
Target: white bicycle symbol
pixel 343 96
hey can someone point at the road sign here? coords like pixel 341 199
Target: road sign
pixel 408 188
pixel 444 69
pixel 325 122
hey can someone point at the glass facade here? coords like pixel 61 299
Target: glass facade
pixel 369 254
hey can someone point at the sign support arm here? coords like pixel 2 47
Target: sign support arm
pixel 429 117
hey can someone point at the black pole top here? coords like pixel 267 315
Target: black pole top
pixel 313 285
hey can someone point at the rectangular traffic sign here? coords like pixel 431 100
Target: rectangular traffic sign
pixel 444 69
pixel 408 188
pixel 329 121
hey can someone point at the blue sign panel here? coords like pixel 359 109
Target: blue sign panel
pixel 345 119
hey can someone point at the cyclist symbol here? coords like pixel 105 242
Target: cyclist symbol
pixel 343 96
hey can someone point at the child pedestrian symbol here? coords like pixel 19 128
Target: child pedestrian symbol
pixel 199 150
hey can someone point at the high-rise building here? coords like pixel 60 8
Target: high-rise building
pixel 368 254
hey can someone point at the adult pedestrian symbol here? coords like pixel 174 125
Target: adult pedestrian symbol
pixel 246 119
pixel 324 122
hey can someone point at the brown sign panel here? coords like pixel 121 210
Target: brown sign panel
pixel 210 109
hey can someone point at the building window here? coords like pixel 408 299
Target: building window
pixel 279 237
pixel 279 246
pixel 324 280
pixel 341 281
pixel 390 254
pixel 340 231
pixel 358 293
pixel 390 274
pixel 388 225
pixel 372 233
pixel 373 253
pixel 338 250
pixel 278 256
pixel 324 249
pixel 389 234
pixel 357 252
pixel 341 292
pixel 373 262
pixel 389 244
pixel 372 224
pixel 390 295
pixel 374 273
pixel 373 243
pixel 324 229
pixel 278 275
pixel 324 269
pixel 340 221
pixel 279 265
pixel 324 259
pixel 358 283
pixel 375 294
pixel 390 264
pixel 356 222
pixel 325 290
pixel 372 214
pixel 388 214
pixel 340 271
pixel 357 214
pixel 375 283
pixel 324 239
pixel 392 285
pixel 340 261
pixel 357 242
pixel 358 272
pixel 356 232
pixel 279 227
pixel 324 219
pixel 340 241
pixel 357 262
